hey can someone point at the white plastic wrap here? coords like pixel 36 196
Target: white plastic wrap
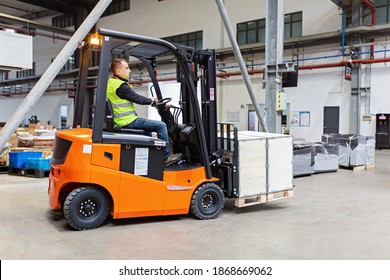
pixel 303 159
pixel 370 150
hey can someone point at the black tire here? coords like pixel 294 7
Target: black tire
pixel 86 208
pixel 207 201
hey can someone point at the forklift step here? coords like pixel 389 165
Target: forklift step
pixel 262 198
pixel 36 173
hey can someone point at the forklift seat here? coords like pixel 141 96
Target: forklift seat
pixel 110 126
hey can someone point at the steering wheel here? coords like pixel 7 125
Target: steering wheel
pixel 162 102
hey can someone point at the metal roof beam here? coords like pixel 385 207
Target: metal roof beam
pixel 55 5
pixel 34 24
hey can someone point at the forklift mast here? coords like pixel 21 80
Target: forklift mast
pixel 207 63
pixel 81 87
pixel 202 66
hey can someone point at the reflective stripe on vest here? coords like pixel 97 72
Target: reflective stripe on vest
pixel 122 105
pixel 124 114
pixel 123 109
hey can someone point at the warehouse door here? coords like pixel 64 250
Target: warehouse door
pixel 331 119
pixel 253 121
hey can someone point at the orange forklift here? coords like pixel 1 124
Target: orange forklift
pixel 107 170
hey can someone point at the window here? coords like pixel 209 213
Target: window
pixel 293 25
pixel 26 73
pixel 251 32
pixel 117 6
pixel 382 11
pixel 3 76
pixel 69 65
pixel 254 31
pixel 193 39
pixel 62 21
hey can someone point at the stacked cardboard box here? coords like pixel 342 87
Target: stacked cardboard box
pixel 35 137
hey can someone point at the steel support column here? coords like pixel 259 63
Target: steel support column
pixel 274 55
pixel 354 125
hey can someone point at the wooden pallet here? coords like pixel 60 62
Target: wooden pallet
pixel 262 198
pixel 370 166
pixel 358 167
pixel 36 173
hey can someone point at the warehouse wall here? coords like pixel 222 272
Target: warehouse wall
pixel 167 18
pixel 47 48
pixel 316 88
pixel 156 19
pixel 46 109
pixel 380 92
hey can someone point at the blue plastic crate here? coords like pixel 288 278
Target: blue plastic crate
pixel 19 159
pixel 38 163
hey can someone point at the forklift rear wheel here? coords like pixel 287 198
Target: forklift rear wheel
pixel 207 201
pixel 86 208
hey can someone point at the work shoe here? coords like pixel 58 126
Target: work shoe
pixel 172 159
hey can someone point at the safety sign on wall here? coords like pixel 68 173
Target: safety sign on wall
pixel 300 119
pixel 348 71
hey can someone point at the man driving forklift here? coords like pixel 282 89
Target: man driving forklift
pixel 122 98
pixel 123 174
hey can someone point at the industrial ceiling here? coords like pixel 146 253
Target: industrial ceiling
pixel 31 9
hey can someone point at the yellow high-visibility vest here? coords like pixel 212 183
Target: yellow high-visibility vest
pixel 123 109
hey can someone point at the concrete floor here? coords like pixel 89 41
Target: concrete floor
pixel 339 215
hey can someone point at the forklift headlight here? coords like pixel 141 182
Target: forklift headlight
pixel 95 41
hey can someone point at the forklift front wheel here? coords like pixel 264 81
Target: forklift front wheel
pixel 86 208
pixel 207 201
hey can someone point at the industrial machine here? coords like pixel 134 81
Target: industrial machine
pixel 106 170
pixel 382 135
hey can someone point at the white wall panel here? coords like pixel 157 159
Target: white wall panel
pixel 47 109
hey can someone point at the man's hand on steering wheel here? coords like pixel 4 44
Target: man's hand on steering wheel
pixel 161 103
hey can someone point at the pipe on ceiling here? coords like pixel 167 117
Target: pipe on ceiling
pixel 318 66
pixel 373 22
pixel 35 24
pixel 26 31
pixel 238 73
pixel 343 24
